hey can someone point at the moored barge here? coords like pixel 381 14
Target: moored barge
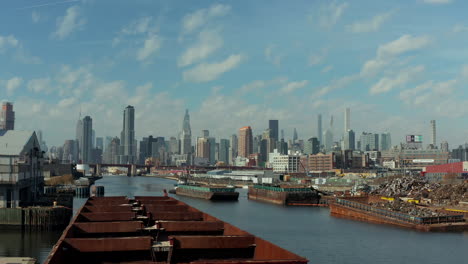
pixel 285 195
pixel 158 230
pixel 209 193
pixel 358 208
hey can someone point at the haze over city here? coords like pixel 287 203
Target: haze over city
pixel 231 68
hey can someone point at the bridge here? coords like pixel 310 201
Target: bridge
pixel 131 168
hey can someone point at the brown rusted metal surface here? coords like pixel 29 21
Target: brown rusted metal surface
pixel 106 208
pixel 178 216
pixel 189 226
pixel 166 208
pixel 108 216
pixel 109 227
pixel 213 242
pixel 110 244
pixel 158 230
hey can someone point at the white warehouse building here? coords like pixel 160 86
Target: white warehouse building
pixel 284 163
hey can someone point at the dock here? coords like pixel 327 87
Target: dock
pixel 158 230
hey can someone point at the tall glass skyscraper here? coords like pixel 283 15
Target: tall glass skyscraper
pixel 186 135
pixel 127 137
pixel 274 129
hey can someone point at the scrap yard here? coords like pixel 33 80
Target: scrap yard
pixel 410 202
pixel 158 230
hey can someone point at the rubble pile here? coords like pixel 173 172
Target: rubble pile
pixel 451 193
pixel 418 188
pixel 399 187
pixel 407 208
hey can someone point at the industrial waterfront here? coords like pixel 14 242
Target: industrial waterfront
pixel 306 231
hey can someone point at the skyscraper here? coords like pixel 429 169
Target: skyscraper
pixel 100 143
pixel 7 117
pixel 347 120
pixel 212 157
pixel 369 141
pixel 433 133
pixel 319 128
pixel 87 140
pixel 328 134
pixel 186 135
pixel 385 141
pixel 245 147
pixel 233 147
pixel 203 148
pixel 349 140
pixel 224 151
pixel 295 135
pixel 68 155
pixel 274 129
pixel 311 146
pixel 127 137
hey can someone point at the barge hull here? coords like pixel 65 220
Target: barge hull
pixel 215 196
pixel 155 230
pixel 283 198
pixel 342 211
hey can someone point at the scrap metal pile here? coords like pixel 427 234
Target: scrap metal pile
pixel 418 187
pixel 407 208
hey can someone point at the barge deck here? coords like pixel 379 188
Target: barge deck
pixel 158 230
pixel 359 209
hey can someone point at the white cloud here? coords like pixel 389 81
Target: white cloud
pixel 318 58
pixel 72 21
pixel 437 2
pixel 258 85
pixel 13 84
pixel 327 69
pixel 329 14
pixel 35 16
pixel 404 44
pixel 199 18
pixel 272 56
pixel 40 85
pixel 110 90
pixel 66 102
pixel 335 85
pixel 293 86
pixel 464 71
pixel 150 47
pixel 206 72
pixel 371 25
pixel 208 42
pixel 387 84
pixel 458 28
pixel 386 53
pixel 8 42
pixel 142 26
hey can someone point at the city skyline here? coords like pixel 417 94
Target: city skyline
pixel 151 58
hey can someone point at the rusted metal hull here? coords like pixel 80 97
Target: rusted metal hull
pixel 155 230
pixel 361 213
pixel 215 196
pixel 283 198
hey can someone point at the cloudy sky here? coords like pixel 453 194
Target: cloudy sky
pixel 397 64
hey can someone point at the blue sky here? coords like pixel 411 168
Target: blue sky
pixel 396 64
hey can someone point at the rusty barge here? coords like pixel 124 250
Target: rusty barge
pixel 148 230
pixel 209 193
pixel 284 195
pixel 359 208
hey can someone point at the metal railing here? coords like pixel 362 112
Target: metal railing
pixel 399 216
pixel 279 189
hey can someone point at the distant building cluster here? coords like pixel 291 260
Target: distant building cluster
pixel 322 153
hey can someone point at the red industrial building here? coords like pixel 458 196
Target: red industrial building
pixel 447 173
